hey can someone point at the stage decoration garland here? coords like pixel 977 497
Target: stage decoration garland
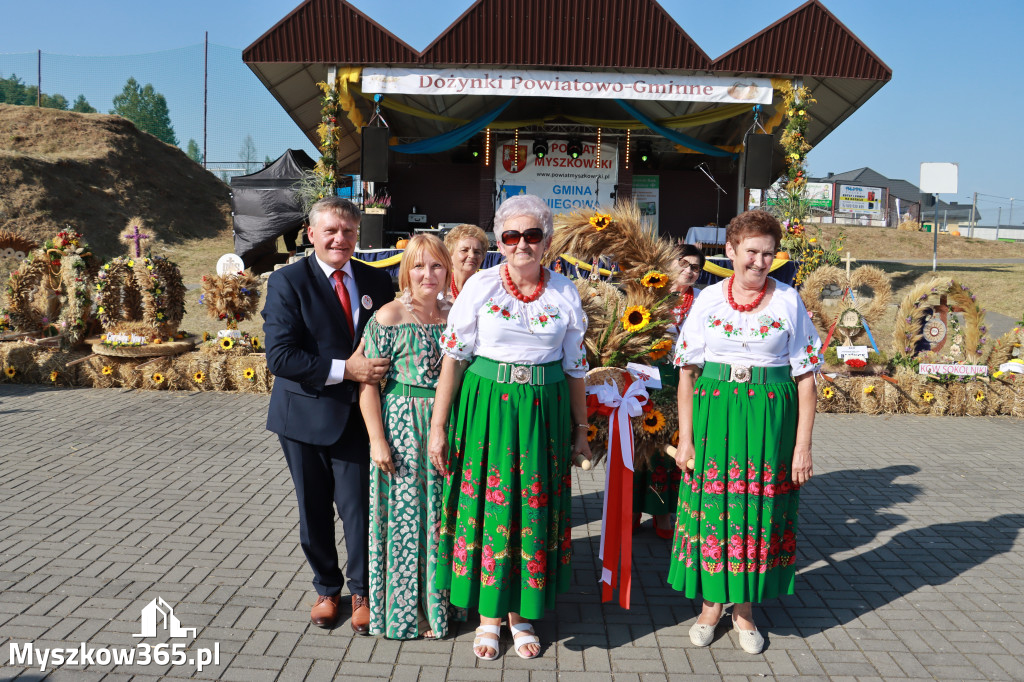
pixel 147 290
pixel 49 293
pixel 230 298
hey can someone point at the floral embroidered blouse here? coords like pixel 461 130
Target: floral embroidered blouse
pixel 781 333
pixel 488 321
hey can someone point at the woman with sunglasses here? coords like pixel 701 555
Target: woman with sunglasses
pixel 656 483
pixel 509 415
pixel 467 245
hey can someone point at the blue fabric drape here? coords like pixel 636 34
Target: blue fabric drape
pixel 453 138
pixel 674 135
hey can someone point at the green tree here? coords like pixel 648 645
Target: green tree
pixel 194 152
pixel 14 91
pixel 147 109
pixel 82 106
pixel 247 154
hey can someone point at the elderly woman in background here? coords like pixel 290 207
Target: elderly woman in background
pixel 748 351
pixel 467 245
pixel 518 413
pixel 656 486
pixel 405 491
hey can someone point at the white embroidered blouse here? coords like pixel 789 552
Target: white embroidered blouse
pixel 779 334
pixel 486 320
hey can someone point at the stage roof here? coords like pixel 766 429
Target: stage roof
pixel 618 36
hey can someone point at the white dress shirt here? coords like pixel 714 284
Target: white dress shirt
pixel 337 374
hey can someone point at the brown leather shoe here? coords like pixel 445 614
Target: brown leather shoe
pixel 325 612
pixel 360 615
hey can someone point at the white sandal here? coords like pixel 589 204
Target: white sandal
pixel 481 641
pixel 522 635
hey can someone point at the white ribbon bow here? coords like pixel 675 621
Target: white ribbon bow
pixel 625 407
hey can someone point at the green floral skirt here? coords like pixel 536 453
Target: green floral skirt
pixel 505 543
pixel 735 537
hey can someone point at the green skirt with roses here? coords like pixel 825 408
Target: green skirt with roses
pixel 735 537
pixel 505 534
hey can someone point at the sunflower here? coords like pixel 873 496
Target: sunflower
pixel 927 396
pixel 206 336
pixel 827 392
pixel 654 279
pixel 255 343
pixel 227 343
pixel 979 396
pixel 635 318
pixel 250 374
pixel 10 372
pixel 199 377
pixel 654 421
pixel 54 375
pixel 591 433
pixel 600 221
pixel 107 370
pixel 869 389
pixel 674 440
pixel 660 349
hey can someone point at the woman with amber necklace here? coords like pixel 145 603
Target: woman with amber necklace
pixel 467 245
pixel 513 377
pixel 748 353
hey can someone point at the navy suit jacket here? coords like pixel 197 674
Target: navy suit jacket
pixel 305 329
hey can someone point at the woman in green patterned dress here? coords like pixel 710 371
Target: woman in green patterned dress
pixel 748 352
pixel 512 383
pixel 405 491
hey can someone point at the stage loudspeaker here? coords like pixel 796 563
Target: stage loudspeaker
pixel 757 166
pixel 375 154
pixel 371 231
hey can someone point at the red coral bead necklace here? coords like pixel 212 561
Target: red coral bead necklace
pixel 514 290
pixel 455 290
pixel 749 306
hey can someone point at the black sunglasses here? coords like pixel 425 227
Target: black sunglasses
pixel 532 236
pixel 692 267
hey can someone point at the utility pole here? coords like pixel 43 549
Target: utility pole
pixel 974 207
pixel 206 70
pixel 1010 221
pixel 999 220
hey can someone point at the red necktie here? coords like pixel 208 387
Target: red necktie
pixel 342 291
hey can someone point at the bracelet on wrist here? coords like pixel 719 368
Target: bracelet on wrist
pixel 582 426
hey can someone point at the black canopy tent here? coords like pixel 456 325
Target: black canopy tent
pixel 265 206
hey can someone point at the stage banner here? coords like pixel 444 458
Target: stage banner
pixel 565 183
pixel 581 84
pixel 646 194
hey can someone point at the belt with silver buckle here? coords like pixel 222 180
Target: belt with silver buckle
pixel 512 373
pixel 745 374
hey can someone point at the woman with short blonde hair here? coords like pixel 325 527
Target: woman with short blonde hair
pixel 467 245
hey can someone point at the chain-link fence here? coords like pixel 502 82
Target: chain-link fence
pixel 244 126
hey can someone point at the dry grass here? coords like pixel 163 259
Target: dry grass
pixel 888 243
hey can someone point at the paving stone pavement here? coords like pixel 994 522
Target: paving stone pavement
pixel 911 562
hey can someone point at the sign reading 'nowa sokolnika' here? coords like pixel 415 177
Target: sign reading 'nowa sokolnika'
pixel 588 84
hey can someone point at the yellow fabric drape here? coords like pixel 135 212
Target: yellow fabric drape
pixel 719 271
pixel 348 81
pixel 584 266
pixel 382 263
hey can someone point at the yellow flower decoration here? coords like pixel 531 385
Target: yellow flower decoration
pixel 158 378
pixel 869 389
pixel 227 343
pixel 674 440
pixel 250 374
pixel 827 392
pixel 107 370
pixel 654 279
pixel 998 373
pixel 654 421
pixel 979 396
pixel 635 318
pixel 600 221
pixel 54 375
pixel 591 433
pixel 660 349
pixel 10 372
pixel 255 343
pixel 927 396
pixel 206 336
pixel 199 377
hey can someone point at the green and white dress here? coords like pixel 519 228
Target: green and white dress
pixel 405 507
pixel 505 535
pixel 736 526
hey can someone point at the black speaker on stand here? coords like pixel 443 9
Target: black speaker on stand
pixel 757 161
pixel 374 166
pixel 371 231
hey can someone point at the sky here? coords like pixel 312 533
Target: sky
pixel 952 96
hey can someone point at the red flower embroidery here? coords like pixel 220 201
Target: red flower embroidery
pixel 715 393
pixel 728 327
pixel 467 488
pixel 771 394
pixel 493 481
pixel 776 324
pixel 504 396
pixel 750 393
pixel 495 308
pixel 764 329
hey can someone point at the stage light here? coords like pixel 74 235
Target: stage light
pixel 643 151
pixel 540 148
pixel 575 148
pixel 474 148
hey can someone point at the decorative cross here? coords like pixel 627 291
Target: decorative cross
pixel 849 259
pixel 132 234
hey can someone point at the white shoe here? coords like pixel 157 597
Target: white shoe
pixel 751 641
pixel 701 634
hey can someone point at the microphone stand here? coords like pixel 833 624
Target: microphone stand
pixel 718 197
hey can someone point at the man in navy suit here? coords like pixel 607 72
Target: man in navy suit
pixel 314 317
